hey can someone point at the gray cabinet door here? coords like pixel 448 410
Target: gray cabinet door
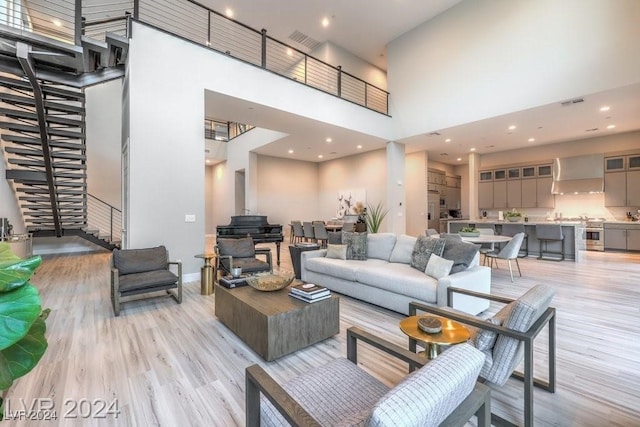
pixel 499 194
pixel 543 193
pixel 633 240
pixel 529 193
pixel 514 193
pixel 633 188
pixel 485 195
pixel 615 189
pixel 615 238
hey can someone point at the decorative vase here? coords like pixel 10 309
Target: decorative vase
pixel 514 218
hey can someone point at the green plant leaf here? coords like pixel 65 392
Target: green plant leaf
pixel 18 310
pixel 16 273
pixel 375 216
pixel 6 254
pixel 20 358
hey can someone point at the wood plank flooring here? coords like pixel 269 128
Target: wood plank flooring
pixel 169 364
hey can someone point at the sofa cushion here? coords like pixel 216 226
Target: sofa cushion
pixel 422 250
pixel 403 249
pixel 356 245
pixel 438 267
pixel 400 279
pixel 461 253
pixel 129 261
pixel 241 248
pixel 336 251
pixel 380 245
pixel 344 269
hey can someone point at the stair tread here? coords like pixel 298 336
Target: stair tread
pixel 18 139
pixel 47 89
pixel 51 105
pixel 31 115
pixel 22 127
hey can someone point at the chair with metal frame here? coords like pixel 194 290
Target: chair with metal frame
pixel 443 392
pixel 509 252
pixel 508 338
pixel 511 229
pixel 241 253
pixel 550 233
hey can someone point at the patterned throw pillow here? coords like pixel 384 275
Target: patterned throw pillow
pixel 424 247
pixel 356 245
pixel 485 340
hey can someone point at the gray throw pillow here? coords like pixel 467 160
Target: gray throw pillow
pixel 461 253
pixel 335 237
pixel 422 250
pixel 356 245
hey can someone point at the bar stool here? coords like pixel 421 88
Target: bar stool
pixel 547 233
pixel 513 229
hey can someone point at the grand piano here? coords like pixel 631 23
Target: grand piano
pixel 255 226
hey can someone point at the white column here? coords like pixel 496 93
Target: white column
pixel 474 169
pixel 395 220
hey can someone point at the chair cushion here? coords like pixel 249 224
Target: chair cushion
pixel 356 245
pixel 129 261
pixel 380 245
pixel 146 280
pixel 403 249
pixel 248 265
pixel 422 250
pixel 336 394
pixel 430 394
pixel 484 339
pixel 241 248
pixel 461 253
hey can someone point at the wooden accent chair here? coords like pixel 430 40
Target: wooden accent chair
pixel 507 338
pixel 241 253
pixel 140 271
pixel 443 392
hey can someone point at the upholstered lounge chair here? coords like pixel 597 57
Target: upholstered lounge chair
pixel 241 253
pixel 507 338
pixel 444 392
pixel 142 271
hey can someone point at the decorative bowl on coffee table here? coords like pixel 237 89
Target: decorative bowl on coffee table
pixel 269 282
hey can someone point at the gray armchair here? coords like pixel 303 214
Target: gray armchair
pixel 241 253
pixel 140 271
pixel 443 392
pixel 507 339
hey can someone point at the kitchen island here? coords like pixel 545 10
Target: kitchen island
pixel 573 232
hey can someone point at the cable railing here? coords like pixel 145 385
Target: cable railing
pixel 69 20
pixel 224 131
pixel 105 218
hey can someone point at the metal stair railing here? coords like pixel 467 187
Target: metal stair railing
pixel 105 218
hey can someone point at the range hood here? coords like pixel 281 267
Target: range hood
pixel 580 174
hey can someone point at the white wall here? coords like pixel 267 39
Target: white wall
pixel 484 58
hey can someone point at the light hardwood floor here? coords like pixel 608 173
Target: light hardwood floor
pixel 169 364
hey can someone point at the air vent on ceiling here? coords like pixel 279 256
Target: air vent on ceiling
pixel 433 134
pixel 571 102
pixel 304 40
pixel 591 130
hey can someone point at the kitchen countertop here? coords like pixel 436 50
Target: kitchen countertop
pixel 530 222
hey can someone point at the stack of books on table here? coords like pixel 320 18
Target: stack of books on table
pixel 308 292
pixel 233 282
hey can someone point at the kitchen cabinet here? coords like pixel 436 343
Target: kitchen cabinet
pixel 622 236
pixel 529 193
pixel 514 193
pixel 499 194
pixel 516 187
pixel 622 189
pixel 485 195
pixel 544 198
pixel 633 240
pixel 614 164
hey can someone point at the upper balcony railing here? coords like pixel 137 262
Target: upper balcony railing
pixel 194 22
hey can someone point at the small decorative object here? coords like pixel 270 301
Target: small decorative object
pixel 269 282
pixel 236 272
pixel 429 325
pixel 469 232
pixel 513 215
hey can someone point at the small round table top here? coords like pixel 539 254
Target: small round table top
pixel 207 255
pixel 452 332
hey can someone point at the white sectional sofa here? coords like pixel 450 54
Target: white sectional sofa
pixel 386 278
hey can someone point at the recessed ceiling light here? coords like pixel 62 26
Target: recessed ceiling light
pixel 207 161
pixel 605 108
pixel 229 12
pixel 459 159
pixel 611 127
pixel 57 22
pixel 329 140
pixel 325 22
pixel 512 127
pixel 320 156
pixel 208 43
pixel 472 149
pixel 359 147
pixel 290 151
pixel 447 140
pixel 289 51
pixel 531 140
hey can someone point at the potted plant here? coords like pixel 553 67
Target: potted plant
pixel 22 341
pixel 361 223
pixel 513 215
pixel 374 216
pixel 469 232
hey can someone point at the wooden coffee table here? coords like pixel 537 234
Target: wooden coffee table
pixel 273 323
pixel 452 333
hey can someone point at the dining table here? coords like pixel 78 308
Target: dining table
pixel 486 238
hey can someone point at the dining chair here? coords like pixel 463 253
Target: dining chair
pixel 309 235
pixel 320 233
pixel 511 230
pixel 509 252
pixel 298 232
pixel 486 248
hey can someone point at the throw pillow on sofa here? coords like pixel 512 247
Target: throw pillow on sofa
pixel 422 250
pixel 356 245
pixel 402 249
pixel 438 267
pixel 461 253
pixel 336 251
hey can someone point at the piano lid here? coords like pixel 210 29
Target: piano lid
pixel 240 220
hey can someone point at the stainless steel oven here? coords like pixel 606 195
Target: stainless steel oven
pixel 594 235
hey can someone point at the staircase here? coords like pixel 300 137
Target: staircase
pixel 42 127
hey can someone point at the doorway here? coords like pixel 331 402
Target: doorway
pixel 240 193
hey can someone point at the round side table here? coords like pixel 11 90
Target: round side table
pixel 452 333
pixel 206 273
